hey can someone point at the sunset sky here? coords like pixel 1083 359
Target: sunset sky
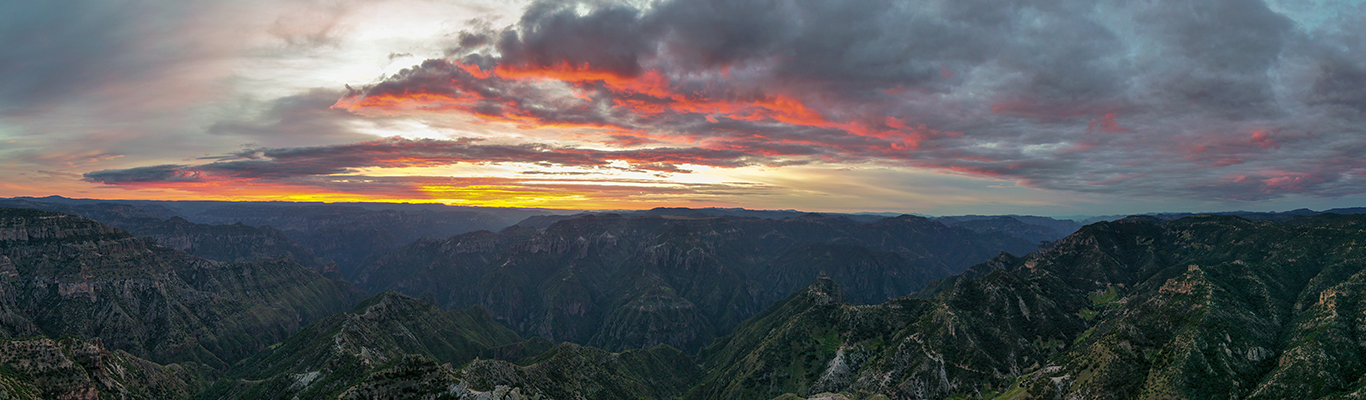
pixel 1048 107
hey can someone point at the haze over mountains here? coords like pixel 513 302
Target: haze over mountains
pixel 279 300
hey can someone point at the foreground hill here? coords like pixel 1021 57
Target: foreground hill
pixel 620 283
pixel 70 368
pixel 1202 307
pixel 338 352
pixel 395 346
pixel 66 275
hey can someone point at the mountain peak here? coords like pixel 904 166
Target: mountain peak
pixel 825 290
pixel 390 302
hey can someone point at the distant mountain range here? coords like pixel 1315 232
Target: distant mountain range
pixel 619 282
pixel 339 235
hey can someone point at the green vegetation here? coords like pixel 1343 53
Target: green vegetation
pixel 75 276
pixel 621 283
pixel 1139 307
pixel 1200 307
pixel 1106 298
pixel 339 351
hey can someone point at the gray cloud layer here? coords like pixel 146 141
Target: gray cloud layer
pixel 1220 99
pixel 293 162
pixel 1204 99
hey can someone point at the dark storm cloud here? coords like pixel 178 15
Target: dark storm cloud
pixel 1220 52
pixel 1205 99
pixel 1340 84
pixel 610 38
pixel 293 162
pixel 149 174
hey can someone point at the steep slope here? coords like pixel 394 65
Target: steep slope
pixel 64 274
pixel 394 346
pixel 1201 307
pixel 1204 313
pixel 427 265
pixel 348 235
pixel 381 333
pixel 808 340
pixel 618 283
pixel 574 372
pixel 567 371
pixel 1204 307
pixel 74 369
pixel 227 243
pixel 873 276
pixel 1010 226
pixel 979 333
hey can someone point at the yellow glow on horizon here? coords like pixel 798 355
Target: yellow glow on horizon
pixel 813 187
pixel 496 196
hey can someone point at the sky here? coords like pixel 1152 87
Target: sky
pixel 941 107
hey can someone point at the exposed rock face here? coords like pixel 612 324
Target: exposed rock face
pixel 327 238
pixel 74 276
pixel 1047 229
pixel 369 351
pixel 394 346
pixel 1201 307
pixel 570 371
pixel 36 228
pixel 349 235
pixel 74 369
pixel 227 243
pixel 620 283
pixel 419 377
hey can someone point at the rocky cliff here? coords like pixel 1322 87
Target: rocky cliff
pixel 229 243
pixel 1201 307
pixel 619 283
pixel 378 335
pixel 71 368
pixel 69 275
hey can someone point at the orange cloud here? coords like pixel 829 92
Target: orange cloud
pixel 648 101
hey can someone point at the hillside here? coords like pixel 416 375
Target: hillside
pixel 622 283
pixel 384 332
pixel 66 275
pixel 1201 307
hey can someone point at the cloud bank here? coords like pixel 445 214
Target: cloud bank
pixel 1224 99
pixel 1211 100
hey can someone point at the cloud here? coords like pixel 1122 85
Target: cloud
pixel 67 48
pixel 395 152
pixel 332 173
pixel 1223 99
pixel 1340 84
pixel 304 118
pixel 1237 100
pixel 149 174
pixel 537 190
